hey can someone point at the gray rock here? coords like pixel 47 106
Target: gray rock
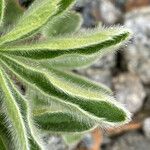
pixel 55 143
pixel 146 127
pixel 109 13
pixel 130 141
pixel 87 141
pixel 94 11
pixel 129 91
pixel 137 53
pixel 146 106
pixel 90 11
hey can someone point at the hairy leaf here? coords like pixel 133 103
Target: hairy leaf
pixel 60 121
pixel 72 138
pixel 67 62
pixel 77 85
pixel 23 107
pixel 12 13
pixel 54 99
pixel 85 45
pixel 14 115
pixel 104 108
pixel 61 116
pixel 5 140
pixel 35 17
pixel 68 23
pixel 50 114
pixel 2 7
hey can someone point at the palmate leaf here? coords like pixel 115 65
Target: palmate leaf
pixel 58 101
pixel 21 133
pixel 96 42
pixel 70 22
pixel 34 18
pixel 2 7
pixel 103 109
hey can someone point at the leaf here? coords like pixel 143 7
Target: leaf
pixel 68 23
pixel 2 7
pixel 51 115
pixel 77 85
pixel 96 42
pixel 12 12
pixel 104 109
pixel 72 138
pixel 14 116
pixel 5 141
pixel 24 113
pixel 64 6
pixel 60 122
pixel 67 62
pixel 39 13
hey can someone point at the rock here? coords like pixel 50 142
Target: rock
pixel 96 10
pixel 90 12
pixel 87 141
pixel 146 106
pixel 109 13
pixel 129 91
pixel 54 143
pixel 130 141
pixel 137 53
pixel 98 75
pixel 146 127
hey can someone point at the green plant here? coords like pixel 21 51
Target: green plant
pixel 55 100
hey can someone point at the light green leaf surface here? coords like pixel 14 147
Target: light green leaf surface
pixel 24 113
pixel 4 134
pixel 14 116
pixel 67 62
pixel 2 7
pixel 72 139
pixel 69 23
pixel 34 18
pixel 84 45
pixel 12 13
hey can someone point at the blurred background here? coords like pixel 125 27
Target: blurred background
pixel 127 73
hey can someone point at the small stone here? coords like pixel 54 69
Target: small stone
pixel 129 91
pixel 113 14
pixel 54 143
pixel 146 127
pixel 90 12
